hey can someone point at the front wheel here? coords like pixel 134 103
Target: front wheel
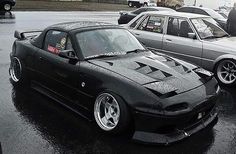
pixel 111 113
pixel 226 72
pixel 7 7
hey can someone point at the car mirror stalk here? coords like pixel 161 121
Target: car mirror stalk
pixel 69 54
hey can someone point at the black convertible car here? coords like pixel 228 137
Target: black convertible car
pixel 102 72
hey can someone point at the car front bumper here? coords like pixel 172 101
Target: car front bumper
pixel 165 130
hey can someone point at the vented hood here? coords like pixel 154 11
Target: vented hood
pixel 157 73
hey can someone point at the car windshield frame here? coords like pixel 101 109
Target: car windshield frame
pixel 207 33
pixel 104 44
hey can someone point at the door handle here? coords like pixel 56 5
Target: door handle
pixel 136 33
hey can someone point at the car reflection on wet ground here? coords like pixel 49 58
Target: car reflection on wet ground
pixel 33 123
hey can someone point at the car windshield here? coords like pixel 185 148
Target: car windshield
pixel 107 42
pixel 208 28
pixel 214 14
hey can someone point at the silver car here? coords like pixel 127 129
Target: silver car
pixel 194 38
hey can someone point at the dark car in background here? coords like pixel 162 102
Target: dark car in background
pixel 103 73
pixel 6 5
pixel 206 11
pixel 125 17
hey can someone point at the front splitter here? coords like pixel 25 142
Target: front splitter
pixel 178 135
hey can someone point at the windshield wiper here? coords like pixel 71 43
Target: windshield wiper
pixel 136 51
pixel 100 56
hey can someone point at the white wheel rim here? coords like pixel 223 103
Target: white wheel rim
pixel 130 4
pixel 106 111
pixel 15 69
pixel 7 7
pixel 226 72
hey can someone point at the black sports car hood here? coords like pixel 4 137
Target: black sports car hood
pixel 157 73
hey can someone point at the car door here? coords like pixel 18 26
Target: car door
pixel 54 72
pixel 150 31
pixel 177 43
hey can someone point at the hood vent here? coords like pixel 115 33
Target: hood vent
pixel 151 71
pixel 171 63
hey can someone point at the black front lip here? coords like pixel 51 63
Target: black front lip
pixel 177 135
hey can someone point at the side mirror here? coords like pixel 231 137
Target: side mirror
pixel 19 35
pixel 192 36
pixel 68 54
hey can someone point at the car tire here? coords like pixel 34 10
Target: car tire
pixel 225 72
pixel 145 4
pixel 111 113
pixel 17 73
pixel 130 4
pixel 7 7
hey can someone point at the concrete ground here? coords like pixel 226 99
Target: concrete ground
pixel 32 123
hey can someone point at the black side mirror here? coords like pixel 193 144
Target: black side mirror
pixel 19 35
pixel 69 54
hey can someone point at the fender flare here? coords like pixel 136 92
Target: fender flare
pixel 226 56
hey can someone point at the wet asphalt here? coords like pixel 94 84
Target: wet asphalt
pixel 32 123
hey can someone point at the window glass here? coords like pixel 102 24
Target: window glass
pixel 208 28
pixel 107 42
pixel 143 25
pixel 136 22
pixel 155 24
pixel 199 11
pixel 138 11
pixel 214 14
pixel 178 27
pixel 55 41
pixel 185 9
pixel 69 44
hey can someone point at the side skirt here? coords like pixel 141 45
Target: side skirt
pixel 71 105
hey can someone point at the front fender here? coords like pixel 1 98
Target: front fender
pixel 226 56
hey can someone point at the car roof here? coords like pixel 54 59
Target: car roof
pixel 69 26
pixel 197 7
pixel 176 14
pixel 160 8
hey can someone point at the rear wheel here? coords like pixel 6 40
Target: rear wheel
pixel 111 113
pixel 17 74
pixel 226 72
pixel 7 7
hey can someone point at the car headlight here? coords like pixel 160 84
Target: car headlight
pixel 204 74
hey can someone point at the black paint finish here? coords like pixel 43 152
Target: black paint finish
pixel 151 84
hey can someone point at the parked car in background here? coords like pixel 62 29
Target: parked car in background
pixel 206 11
pixel 125 17
pixel 174 4
pixel 7 5
pixel 137 3
pixel 224 13
pixel 194 38
pixel 103 73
